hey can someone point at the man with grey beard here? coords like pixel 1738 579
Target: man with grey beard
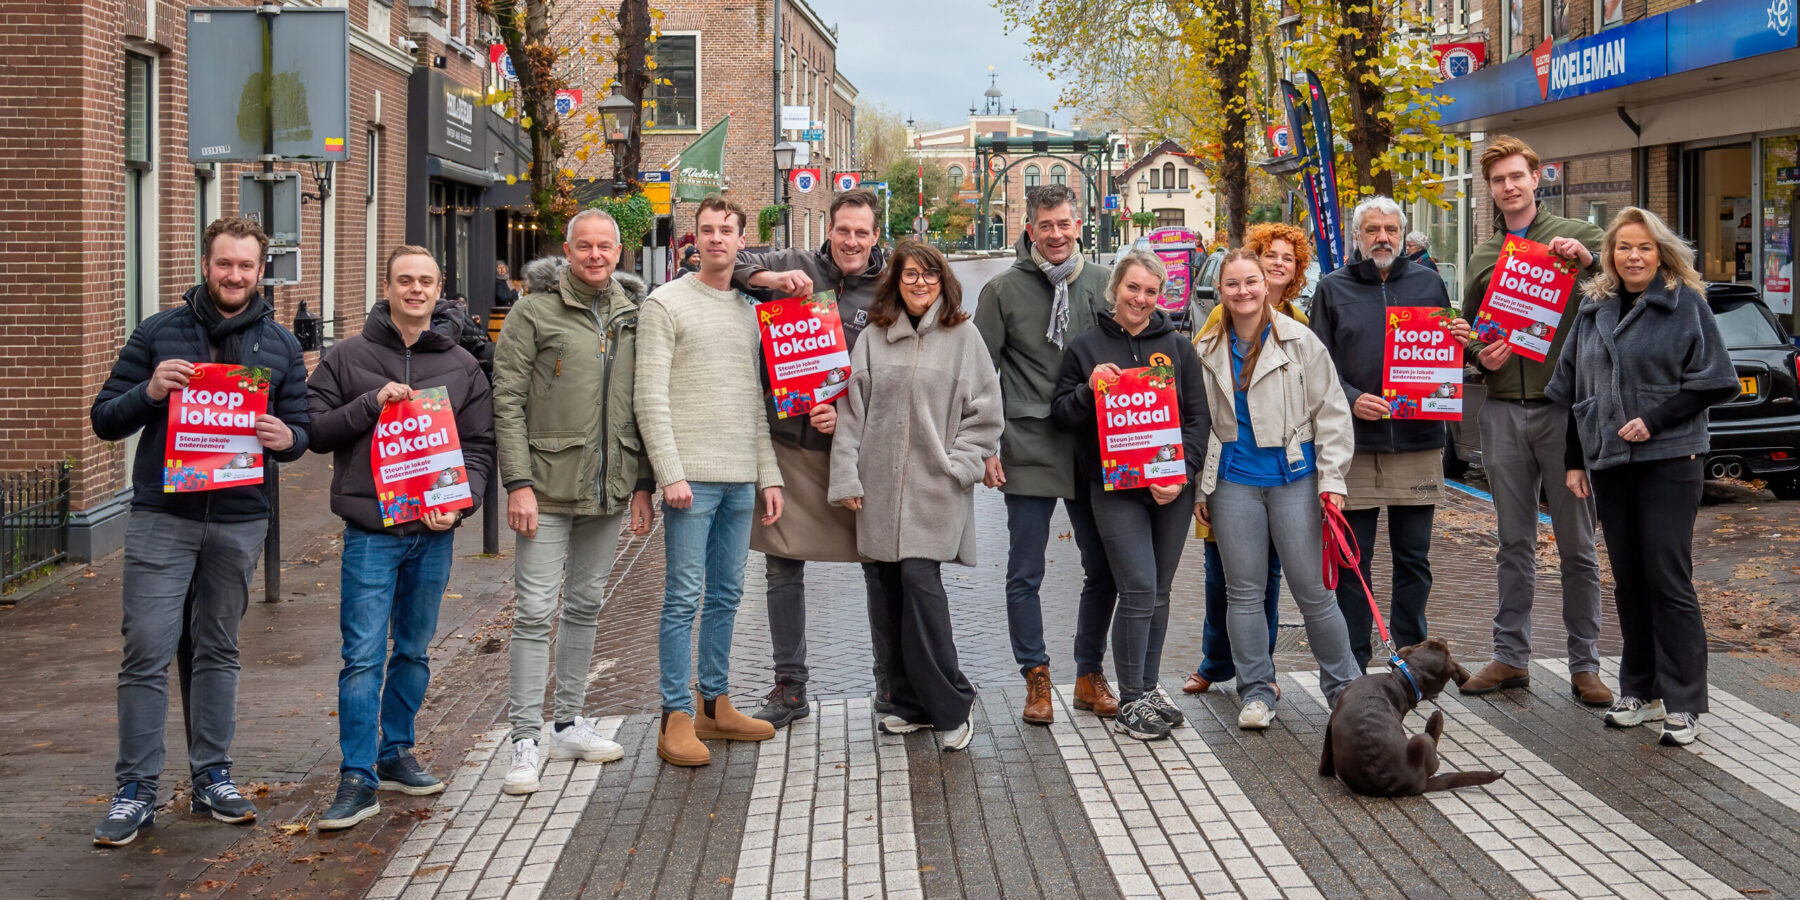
pixel 1398 463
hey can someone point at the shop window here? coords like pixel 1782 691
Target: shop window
pixel 1779 201
pixel 1059 175
pixel 1556 19
pixel 1514 42
pixel 1032 176
pixel 674 93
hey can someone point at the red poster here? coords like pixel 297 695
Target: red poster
pixel 1526 297
pixel 1422 377
pixel 212 429
pixel 1140 427
pixel 418 459
pixel 803 346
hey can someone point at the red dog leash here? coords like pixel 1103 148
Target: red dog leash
pixel 1341 552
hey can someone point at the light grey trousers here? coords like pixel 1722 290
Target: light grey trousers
pixel 585 547
pixel 1521 451
pixel 166 558
pixel 1246 520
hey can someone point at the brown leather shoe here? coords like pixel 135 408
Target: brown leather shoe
pixel 1495 676
pixel 1589 689
pixel 676 742
pixel 1038 710
pixel 718 720
pixel 1195 684
pixel 1092 693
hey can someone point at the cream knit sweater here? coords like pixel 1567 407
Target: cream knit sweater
pixel 699 398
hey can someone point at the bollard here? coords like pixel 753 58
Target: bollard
pixel 490 515
pixel 272 539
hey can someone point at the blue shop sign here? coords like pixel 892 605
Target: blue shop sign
pixel 1693 37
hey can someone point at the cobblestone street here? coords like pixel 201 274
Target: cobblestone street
pixel 828 808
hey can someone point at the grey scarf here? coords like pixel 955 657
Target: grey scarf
pixel 1060 275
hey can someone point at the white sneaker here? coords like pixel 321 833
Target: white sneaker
pixel 1630 712
pixel 1256 715
pixel 958 737
pixel 582 741
pixel 527 765
pixel 896 725
pixel 1680 729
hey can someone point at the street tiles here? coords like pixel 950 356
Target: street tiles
pixel 1557 840
pixel 488 844
pixel 1172 821
pixel 836 802
pixel 1752 746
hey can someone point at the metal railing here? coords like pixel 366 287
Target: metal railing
pixel 34 522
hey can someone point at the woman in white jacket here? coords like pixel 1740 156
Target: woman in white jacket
pixel 1280 444
pixel 921 414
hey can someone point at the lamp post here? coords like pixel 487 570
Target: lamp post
pixel 618 116
pixel 784 165
pixel 1143 186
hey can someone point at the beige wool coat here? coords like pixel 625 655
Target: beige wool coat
pixel 922 412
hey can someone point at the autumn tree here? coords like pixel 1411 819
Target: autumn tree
pixel 525 29
pixel 880 136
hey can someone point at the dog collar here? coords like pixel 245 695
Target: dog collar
pixel 1399 665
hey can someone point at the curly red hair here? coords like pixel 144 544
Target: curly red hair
pixel 1261 235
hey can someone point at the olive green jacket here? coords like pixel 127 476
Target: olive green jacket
pixel 563 416
pixel 1520 378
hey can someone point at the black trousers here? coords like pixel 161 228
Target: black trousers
pixel 1647 512
pixel 1143 544
pixel 910 613
pixel 1409 542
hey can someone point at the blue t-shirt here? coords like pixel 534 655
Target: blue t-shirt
pixel 1242 462
pixel 1520 234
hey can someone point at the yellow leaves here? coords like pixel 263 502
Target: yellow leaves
pixel 525 122
pixel 512 179
pixel 582 154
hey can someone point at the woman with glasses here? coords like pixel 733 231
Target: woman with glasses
pixel 921 414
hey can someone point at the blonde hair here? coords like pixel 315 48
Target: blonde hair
pixel 1211 336
pixel 1675 258
pixel 1144 259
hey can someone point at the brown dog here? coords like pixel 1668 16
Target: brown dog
pixel 1366 745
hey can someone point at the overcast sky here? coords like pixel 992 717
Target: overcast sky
pixel 930 58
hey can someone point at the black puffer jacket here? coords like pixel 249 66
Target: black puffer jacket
pixel 1349 315
pixel 123 405
pixel 1072 408
pixel 341 399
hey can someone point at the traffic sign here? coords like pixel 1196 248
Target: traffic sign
pixel 921 224
pixel 1111 201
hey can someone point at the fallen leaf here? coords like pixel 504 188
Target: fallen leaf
pixel 293 828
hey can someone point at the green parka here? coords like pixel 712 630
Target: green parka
pixel 563 416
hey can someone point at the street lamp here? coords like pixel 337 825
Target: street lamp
pixel 617 117
pixel 784 164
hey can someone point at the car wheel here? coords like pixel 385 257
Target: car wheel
pixel 1786 487
pixel 1454 466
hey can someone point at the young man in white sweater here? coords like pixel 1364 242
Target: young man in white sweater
pixel 700 413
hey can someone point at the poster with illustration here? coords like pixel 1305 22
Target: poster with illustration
pixel 1140 427
pixel 1526 297
pixel 805 352
pixel 211 441
pixel 1422 377
pixel 417 458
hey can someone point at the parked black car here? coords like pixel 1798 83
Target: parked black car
pixel 1756 435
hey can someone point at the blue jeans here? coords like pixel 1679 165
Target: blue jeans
pixel 705 547
pixel 1028 536
pixel 391 586
pixel 1215 642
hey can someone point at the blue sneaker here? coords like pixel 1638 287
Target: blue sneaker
pixel 133 807
pixel 215 795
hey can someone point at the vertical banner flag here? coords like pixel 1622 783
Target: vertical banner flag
pixel 418 458
pixel 804 179
pixel 1422 377
pixel 1296 114
pixel 1140 427
pixel 1526 297
pixel 1326 140
pixel 212 429
pixel 804 349
pixel 846 181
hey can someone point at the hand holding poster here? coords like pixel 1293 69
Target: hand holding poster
pixel 211 440
pixel 1526 297
pixel 1422 377
pixel 418 459
pixel 1140 427
pixel 803 346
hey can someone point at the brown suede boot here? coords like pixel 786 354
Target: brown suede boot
pixel 1092 693
pixel 1495 676
pixel 1589 689
pixel 676 743
pixel 718 720
pixel 1038 710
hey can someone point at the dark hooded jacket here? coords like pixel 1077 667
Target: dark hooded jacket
pixel 195 332
pixel 855 294
pixel 341 400
pixel 1349 315
pixel 1107 342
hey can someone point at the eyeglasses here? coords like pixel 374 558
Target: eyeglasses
pixel 914 276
